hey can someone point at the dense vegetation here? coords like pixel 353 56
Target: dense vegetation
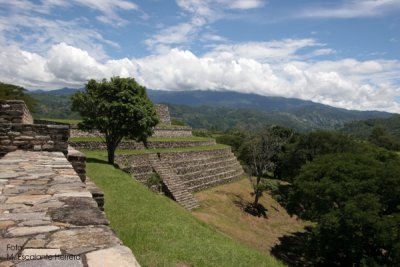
pixel 364 128
pixel 350 189
pixel 10 91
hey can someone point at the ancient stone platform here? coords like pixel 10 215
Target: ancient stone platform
pixel 49 218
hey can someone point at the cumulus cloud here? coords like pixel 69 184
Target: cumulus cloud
pixel 346 83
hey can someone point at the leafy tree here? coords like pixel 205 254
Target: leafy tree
pixel 117 108
pixel 382 138
pixel 306 147
pixel 259 152
pixel 355 200
pixel 11 91
pixel 233 138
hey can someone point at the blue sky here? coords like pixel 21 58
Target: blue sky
pixel 344 53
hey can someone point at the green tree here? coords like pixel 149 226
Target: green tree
pixel 117 108
pixel 354 198
pixel 306 147
pixel 380 137
pixel 11 91
pixel 259 152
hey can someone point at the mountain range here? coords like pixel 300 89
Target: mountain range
pixel 221 110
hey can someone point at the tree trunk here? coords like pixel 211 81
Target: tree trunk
pixel 257 191
pixel 111 152
pixel 257 197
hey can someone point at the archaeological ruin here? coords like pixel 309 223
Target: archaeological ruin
pixel 50 212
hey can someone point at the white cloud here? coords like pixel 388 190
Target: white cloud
pixel 201 13
pixel 246 4
pixel 353 9
pixel 346 83
pixel 285 49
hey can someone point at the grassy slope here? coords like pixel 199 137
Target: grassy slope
pixel 221 207
pixel 151 139
pixel 159 231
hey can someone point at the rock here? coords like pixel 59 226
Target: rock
pixel 78 211
pixel 35 243
pixel 23 216
pixel 51 263
pixel 118 256
pixel 31 199
pixel 98 237
pixel 5 224
pixel 21 231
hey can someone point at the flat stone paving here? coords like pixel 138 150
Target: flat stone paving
pixel 48 217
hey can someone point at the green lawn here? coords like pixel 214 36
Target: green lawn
pixel 159 231
pixel 151 139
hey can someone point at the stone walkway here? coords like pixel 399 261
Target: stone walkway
pixel 48 217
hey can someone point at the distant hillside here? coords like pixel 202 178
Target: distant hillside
pixel 54 104
pixel 223 110
pixel 363 129
pixel 295 113
pixel 63 91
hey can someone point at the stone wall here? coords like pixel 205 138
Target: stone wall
pixel 33 137
pixel 14 111
pixel 78 161
pixel 163 113
pixel 196 169
pixel 181 131
pixel 97 145
pixel 75 132
pixel 49 218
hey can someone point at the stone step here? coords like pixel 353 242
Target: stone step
pixel 212 178
pixel 206 171
pixel 193 162
pixel 174 184
pixel 206 164
pixel 215 183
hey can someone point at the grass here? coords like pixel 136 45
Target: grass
pixel 159 231
pixel 103 153
pixel 69 121
pixel 151 139
pixel 221 207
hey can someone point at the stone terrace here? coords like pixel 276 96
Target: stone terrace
pixel 49 218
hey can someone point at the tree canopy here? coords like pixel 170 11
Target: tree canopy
pixel 355 200
pixel 118 108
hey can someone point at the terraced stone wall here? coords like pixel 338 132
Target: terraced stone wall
pixel 197 169
pixel 175 131
pixel 163 113
pixel 96 145
pixel 33 137
pixel 14 111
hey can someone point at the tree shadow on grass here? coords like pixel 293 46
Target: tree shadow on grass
pixel 95 160
pixel 255 210
pixel 293 249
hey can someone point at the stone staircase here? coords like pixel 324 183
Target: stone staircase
pixel 175 185
pixel 185 172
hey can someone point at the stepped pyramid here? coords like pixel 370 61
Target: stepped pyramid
pixel 183 172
